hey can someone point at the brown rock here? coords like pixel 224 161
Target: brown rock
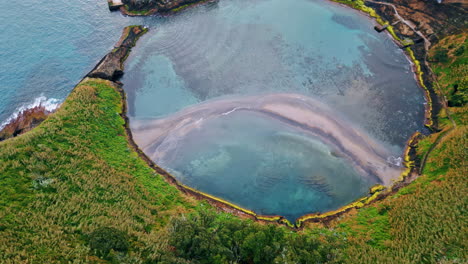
pixel 25 121
pixel 111 66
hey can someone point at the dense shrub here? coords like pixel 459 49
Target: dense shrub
pixel 206 237
pixel 460 51
pixel 440 55
pixel 105 239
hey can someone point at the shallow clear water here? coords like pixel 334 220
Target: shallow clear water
pixel 261 164
pixel 233 49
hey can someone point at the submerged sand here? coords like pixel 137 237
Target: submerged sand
pixel 368 156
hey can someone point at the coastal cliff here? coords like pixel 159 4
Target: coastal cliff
pixel 94 200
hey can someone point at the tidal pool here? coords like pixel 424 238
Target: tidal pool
pixel 281 107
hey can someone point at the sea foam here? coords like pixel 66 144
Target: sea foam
pixel 49 104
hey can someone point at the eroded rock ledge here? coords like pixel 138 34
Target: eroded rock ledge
pixel 111 66
pixel 26 120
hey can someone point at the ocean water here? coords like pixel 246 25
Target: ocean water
pixel 47 47
pixel 189 79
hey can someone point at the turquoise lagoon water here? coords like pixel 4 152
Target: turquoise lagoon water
pixel 180 72
pixel 229 49
pixel 265 166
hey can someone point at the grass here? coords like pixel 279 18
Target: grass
pixel 450 63
pixel 76 173
pixel 424 222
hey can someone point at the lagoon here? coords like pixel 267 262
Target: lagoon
pixel 284 108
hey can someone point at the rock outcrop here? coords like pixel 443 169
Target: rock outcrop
pixel 424 24
pixel 150 7
pixel 25 121
pixel 111 66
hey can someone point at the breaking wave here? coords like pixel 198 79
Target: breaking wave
pixel 49 104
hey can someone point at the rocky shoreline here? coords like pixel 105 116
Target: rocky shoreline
pixel 24 122
pixel 111 66
pixel 432 19
pixel 427 23
pixel 434 28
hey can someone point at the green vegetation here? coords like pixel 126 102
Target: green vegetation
pixel 140 12
pixel 205 237
pixel 140 4
pixel 440 55
pixel 424 222
pixel 74 190
pixel 106 239
pixel 450 63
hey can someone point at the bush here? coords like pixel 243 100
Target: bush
pixel 457 100
pixel 208 237
pixel 441 55
pixel 105 239
pixel 460 51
